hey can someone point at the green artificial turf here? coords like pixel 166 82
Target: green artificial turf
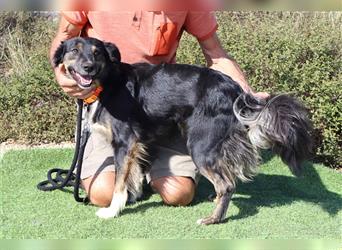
pixel 275 205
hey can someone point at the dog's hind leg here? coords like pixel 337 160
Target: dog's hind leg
pixel 224 191
pixel 222 153
pixel 205 147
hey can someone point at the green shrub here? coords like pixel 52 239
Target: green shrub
pixel 33 108
pixel 300 53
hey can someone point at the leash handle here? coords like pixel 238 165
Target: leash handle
pixel 61 181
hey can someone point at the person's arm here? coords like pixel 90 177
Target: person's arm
pixel 218 59
pixel 67 30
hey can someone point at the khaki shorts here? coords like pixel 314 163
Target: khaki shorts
pixel 170 160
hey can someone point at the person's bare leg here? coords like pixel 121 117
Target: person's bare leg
pixel 175 190
pixel 100 189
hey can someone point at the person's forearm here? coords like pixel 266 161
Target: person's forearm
pixel 218 59
pixel 65 31
pixel 231 68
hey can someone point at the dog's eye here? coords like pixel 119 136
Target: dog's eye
pixel 74 51
pixel 96 52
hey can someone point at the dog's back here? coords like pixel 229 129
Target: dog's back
pixel 215 111
pixel 173 91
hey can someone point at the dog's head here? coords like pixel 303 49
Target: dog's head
pixel 86 59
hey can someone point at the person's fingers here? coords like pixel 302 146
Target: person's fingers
pixel 61 68
pixel 71 88
pixel 62 79
pixel 262 95
pixel 66 81
pixel 69 85
pixel 80 93
pixel 77 92
pixel 83 94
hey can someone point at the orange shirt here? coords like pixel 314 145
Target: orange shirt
pixel 144 36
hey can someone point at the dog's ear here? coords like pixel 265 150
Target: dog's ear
pixel 113 52
pixel 59 55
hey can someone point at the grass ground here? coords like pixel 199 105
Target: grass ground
pixel 275 205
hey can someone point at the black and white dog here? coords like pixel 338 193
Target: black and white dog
pixel 224 127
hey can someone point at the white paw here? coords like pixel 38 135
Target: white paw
pixel 107 213
pixel 199 221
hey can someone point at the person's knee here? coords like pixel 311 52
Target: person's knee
pixel 100 189
pixel 175 190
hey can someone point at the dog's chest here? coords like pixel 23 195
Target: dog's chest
pixel 100 127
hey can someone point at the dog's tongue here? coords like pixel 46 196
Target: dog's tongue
pixel 83 80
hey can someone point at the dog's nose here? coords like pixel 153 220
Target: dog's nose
pixel 88 67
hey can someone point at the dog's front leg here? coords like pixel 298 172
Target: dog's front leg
pixel 118 203
pixel 125 147
pixel 120 194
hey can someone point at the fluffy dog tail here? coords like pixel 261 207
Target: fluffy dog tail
pixel 279 123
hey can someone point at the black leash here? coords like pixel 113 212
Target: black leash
pixel 64 177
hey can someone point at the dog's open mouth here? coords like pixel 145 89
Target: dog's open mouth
pixel 84 81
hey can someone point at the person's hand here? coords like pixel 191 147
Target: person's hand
pixel 69 85
pixel 260 95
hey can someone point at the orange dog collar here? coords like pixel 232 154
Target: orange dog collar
pixel 94 96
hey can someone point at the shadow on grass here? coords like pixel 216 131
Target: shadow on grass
pixel 277 190
pixel 263 191
pixel 141 208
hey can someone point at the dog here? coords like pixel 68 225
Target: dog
pixel 224 127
